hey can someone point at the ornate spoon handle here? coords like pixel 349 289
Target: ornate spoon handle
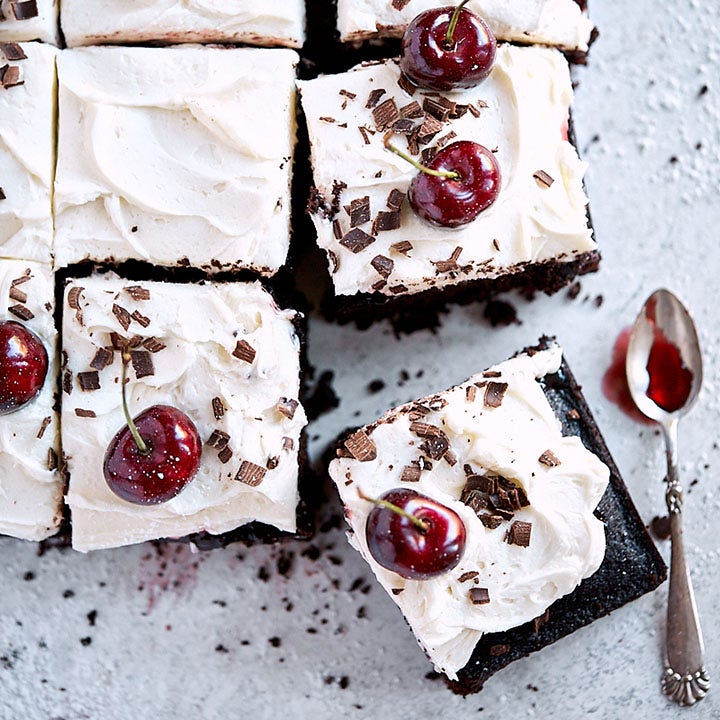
pixel 685 679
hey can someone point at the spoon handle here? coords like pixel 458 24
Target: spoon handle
pixel 685 679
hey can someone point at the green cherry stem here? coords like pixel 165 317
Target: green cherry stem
pixel 449 174
pixel 142 447
pixel 396 509
pixel 453 23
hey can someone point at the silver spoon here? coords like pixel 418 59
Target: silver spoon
pixel 685 679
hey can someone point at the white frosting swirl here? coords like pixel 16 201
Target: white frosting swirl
pixel 567 541
pixel 528 95
pixel 172 153
pixel 27 156
pixel 551 22
pixel 201 326
pixel 257 22
pixel 44 26
pixel 30 492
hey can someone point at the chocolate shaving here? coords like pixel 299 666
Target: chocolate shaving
pixel 136 292
pixel 395 199
pixel 383 265
pixel 287 407
pixel 22 312
pixel 399 4
pixel 73 298
pixel 18 295
pixel 250 473
pixel 385 221
pixel 543 178
pixel 445 139
pixel 366 132
pixel 43 427
pixel 359 211
pixel 470 575
pixel 102 358
pixel 218 407
pixel 479 596
pixel 374 98
pixel 403 126
pixel 244 351
pixel 80 412
pixel 490 521
pixel 288 443
pixel 25 277
pixel 396 591
pixel 52 460
pixel 360 446
pixel 10 76
pixel 519 533
pixel 13 51
pixel 24 9
pixel 153 345
pixel 225 454
pixel 357 240
pixel 385 114
pixel 272 463
pixel 470 392
pixel 473 111
pixel 218 439
pixel 140 319
pixel 411 111
pixel 491 374
pixel 402 248
pixel 411 472
pixel 436 441
pixel 3 196
pixel 430 127
pixel 122 316
pixel 142 363
pixel 404 83
pixel 494 394
pixel 348 94
pixel 67 382
pixel 397 289
pixel 449 264
pixel 496 244
pixel 437 108
pixel 328 119
pixel 89 381
pixel 549 458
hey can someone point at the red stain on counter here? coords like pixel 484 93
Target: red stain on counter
pixel 614 382
pixel 168 568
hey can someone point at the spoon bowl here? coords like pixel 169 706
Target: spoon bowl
pixel 663 322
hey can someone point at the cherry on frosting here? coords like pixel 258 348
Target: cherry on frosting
pixel 154 456
pixel 23 366
pixel 447 48
pixel 413 535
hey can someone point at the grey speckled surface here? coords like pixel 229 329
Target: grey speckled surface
pixel 187 636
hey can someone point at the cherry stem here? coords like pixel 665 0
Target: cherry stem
pixel 453 23
pixel 142 447
pixel 421 524
pixel 450 174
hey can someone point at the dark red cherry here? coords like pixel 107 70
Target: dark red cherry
pixel 429 61
pixel 172 460
pixel 23 366
pixel 429 545
pixel 449 201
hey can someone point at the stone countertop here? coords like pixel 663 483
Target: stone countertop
pixel 303 631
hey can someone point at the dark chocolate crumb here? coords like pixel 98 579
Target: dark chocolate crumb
pixel 494 394
pixel 479 596
pixel 244 351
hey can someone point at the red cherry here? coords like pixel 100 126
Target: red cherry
pixel 23 366
pixel 172 460
pixel 454 201
pixel 428 544
pixel 430 61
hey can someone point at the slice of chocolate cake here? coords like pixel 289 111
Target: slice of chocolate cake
pixel 269 24
pixel 386 261
pixel 224 355
pixel 553 540
pixel 560 23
